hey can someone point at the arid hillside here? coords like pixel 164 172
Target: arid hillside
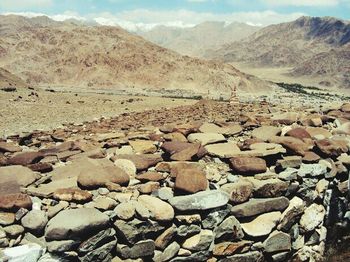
pixel 316 47
pixel 9 80
pixel 48 53
pixel 200 39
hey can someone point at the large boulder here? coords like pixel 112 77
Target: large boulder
pixel 75 223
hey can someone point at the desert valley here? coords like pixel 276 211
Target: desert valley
pixel 220 141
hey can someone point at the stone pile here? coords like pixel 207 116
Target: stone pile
pixel 249 183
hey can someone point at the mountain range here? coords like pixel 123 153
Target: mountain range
pixel 198 40
pixel 50 53
pixel 312 46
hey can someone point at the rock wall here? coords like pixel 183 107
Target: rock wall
pixel 259 186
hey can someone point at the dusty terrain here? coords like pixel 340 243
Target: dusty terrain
pixel 39 109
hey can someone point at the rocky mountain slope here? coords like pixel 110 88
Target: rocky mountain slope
pixel 9 80
pixel 45 52
pixel 198 40
pixel 314 46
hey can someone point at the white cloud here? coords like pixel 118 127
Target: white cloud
pixel 302 2
pixel 22 4
pixel 143 19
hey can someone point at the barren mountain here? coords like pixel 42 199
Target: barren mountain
pixel 45 52
pixel 314 46
pixel 200 39
pixel 9 80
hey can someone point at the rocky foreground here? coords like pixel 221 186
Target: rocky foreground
pixel 209 182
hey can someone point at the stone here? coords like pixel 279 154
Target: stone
pixel 142 161
pixel 144 248
pixel 313 217
pixel 136 230
pixel 29 253
pixel 170 251
pixel 61 246
pixel 199 242
pixel 253 256
pixel 15 201
pixel 289 162
pixel 239 192
pixel 72 194
pixel 163 240
pixel 291 214
pixel 182 151
pixel 266 132
pixel 311 157
pixel 214 218
pixel 13 230
pixel 206 138
pixel 258 206
pixel 47 190
pixel 178 167
pixel 102 253
pixel 268 187
pixel 82 220
pixel 41 167
pixel 317 132
pixel 102 203
pixel 295 145
pixel 98 177
pixel 230 229
pixel 277 242
pixel 35 221
pixel 20 174
pixel 126 165
pixel 25 158
pixel 200 201
pixel 262 225
pixel 332 148
pixel 150 176
pixel 248 165
pixel 188 230
pixel 148 187
pixel 299 133
pixel 125 210
pixel 313 170
pixel 189 219
pixel 7 218
pixel 9 147
pixel 97 240
pixel 161 211
pixel 223 150
pixel 143 146
pixel 230 248
pixel 191 181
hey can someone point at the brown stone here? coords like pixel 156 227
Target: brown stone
pixel 15 201
pixel 25 158
pixel 181 151
pixel 23 176
pixel 311 157
pixel 72 194
pixel 142 162
pixel 298 132
pixel 148 187
pixel 239 192
pixel 230 248
pixel 177 167
pixel 295 145
pixel 191 180
pixel 9 147
pixel 150 176
pixel 41 167
pixel 248 165
pixel 101 175
pixel 332 148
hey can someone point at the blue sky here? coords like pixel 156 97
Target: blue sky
pixel 147 13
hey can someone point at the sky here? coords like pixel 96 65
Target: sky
pixel 145 14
